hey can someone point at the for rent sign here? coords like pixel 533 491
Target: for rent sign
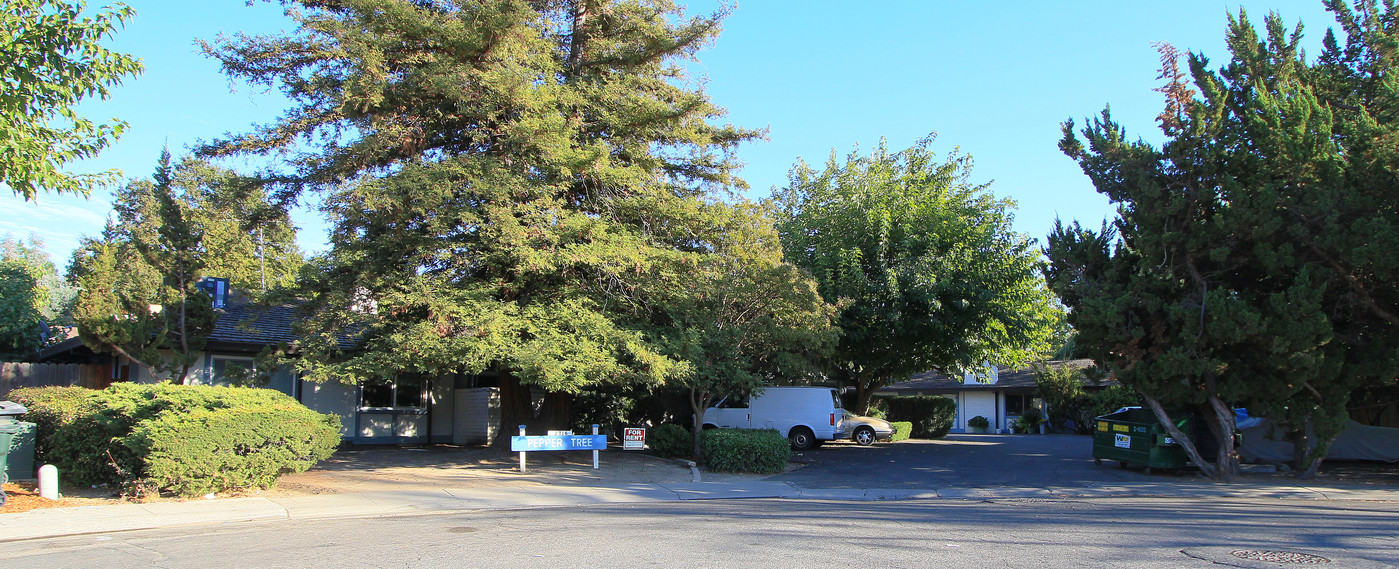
pixel 634 439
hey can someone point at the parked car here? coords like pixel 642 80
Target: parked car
pixel 807 415
pixel 866 430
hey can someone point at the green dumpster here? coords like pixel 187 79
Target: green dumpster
pixel 17 448
pixel 1134 437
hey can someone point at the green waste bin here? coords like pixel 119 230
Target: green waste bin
pixel 17 448
pixel 1134 437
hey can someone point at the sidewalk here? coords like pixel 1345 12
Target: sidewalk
pixel 623 479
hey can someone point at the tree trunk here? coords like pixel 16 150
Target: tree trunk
pixel 863 395
pixel 699 402
pixel 1305 455
pixel 520 405
pixel 1185 442
pixel 1227 462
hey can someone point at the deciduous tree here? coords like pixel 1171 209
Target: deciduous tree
pixel 922 263
pixel 50 60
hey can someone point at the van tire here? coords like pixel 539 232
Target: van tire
pixel 802 438
pixel 864 435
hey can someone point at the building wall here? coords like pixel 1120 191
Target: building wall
pixel 326 397
pixel 973 403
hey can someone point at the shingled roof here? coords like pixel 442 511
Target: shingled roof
pixel 253 325
pixel 1012 379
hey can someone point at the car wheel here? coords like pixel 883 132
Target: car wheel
pixel 863 435
pixel 802 438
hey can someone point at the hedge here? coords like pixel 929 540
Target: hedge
pixel 108 436
pixel 670 441
pixel 902 430
pixel 762 451
pixel 931 415
pixel 205 451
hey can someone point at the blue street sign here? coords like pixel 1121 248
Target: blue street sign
pixel 564 442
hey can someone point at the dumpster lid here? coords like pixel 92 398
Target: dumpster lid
pixel 11 408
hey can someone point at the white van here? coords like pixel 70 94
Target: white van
pixel 807 415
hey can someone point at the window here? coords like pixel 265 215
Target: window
pixel 226 371
pixel 405 391
pixel 1017 403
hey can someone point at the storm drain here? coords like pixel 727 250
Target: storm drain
pixel 1279 556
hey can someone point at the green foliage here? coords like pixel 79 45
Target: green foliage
pixel 1106 401
pixel 534 186
pixel 978 422
pixel 50 409
pixel 97 437
pixel 903 430
pixel 49 62
pixel 33 299
pixel 923 264
pixel 1072 407
pixel 930 415
pixel 1255 265
pixel 1029 420
pixel 203 451
pixel 189 221
pixel 21 324
pixel 669 441
pixel 760 451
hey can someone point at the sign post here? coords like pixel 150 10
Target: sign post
pixel 634 439
pixel 523 444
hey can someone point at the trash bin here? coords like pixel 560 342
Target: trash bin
pixel 17 448
pixel 1133 436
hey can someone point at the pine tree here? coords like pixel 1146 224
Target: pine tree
pixel 513 184
pixel 1255 266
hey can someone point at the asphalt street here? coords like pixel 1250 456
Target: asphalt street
pixel 762 534
pixel 988 460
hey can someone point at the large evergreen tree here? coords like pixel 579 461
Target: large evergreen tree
pixel 923 264
pixel 1255 266
pixel 509 180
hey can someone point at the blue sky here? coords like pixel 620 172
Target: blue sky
pixel 994 80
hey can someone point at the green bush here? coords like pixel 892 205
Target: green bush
pixel 670 441
pixel 978 422
pixel 90 435
pixel 902 430
pixel 931 415
pixel 49 409
pixel 203 451
pixel 762 451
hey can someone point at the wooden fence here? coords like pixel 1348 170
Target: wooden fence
pixel 17 375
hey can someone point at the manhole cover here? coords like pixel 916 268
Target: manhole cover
pixel 1279 556
pixel 460 529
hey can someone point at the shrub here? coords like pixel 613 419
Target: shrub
pixel 978 422
pixel 49 409
pixel 89 434
pixel 902 430
pixel 670 441
pixel 1030 419
pixel 745 450
pixel 930 415
pixel 216 450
